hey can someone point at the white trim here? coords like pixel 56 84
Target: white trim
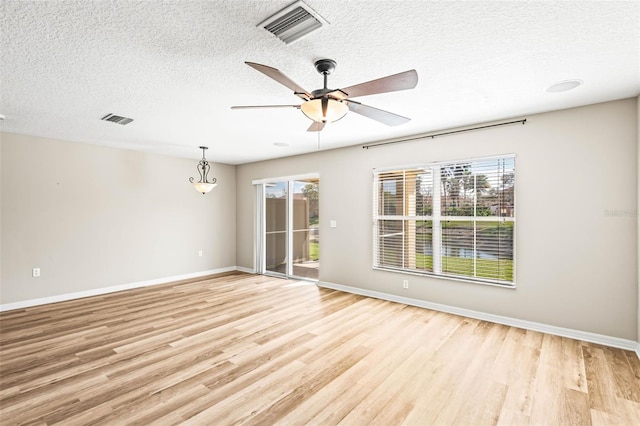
pixel 286 178
pixel 113 289
pixel 614 342
pixel 259 227
pixel 289 229
pixel 436 225
pixel 459 278
pixel 245 270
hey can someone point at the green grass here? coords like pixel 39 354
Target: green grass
pixel 424 262
pixel 313 251
pixel 485 268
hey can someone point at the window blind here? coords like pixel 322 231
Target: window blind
pixel 453 219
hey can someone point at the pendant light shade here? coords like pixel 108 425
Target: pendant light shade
pixel 335 110
pixel 203 185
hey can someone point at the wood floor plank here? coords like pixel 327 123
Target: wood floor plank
pixel 478 379
pixel 626 384
pixel 250 349
pixel 521 384
pixel 600 381
pixel 337 399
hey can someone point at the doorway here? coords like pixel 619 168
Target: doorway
pixel 290 219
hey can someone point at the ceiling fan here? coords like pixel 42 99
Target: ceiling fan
pixel 328 105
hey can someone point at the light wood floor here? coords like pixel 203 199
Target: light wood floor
pixel 245 349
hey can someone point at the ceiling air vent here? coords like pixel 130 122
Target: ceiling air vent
pixel 293 22
pixel 117 119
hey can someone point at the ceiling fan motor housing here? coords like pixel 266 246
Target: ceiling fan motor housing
pixel 325 66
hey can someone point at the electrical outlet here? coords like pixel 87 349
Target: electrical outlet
pixel 405 283
pixel 200 253
pixel 35 272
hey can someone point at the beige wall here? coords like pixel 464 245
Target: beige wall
pixel 92 217
pixel 1 191
pixel 576 241
pixel 638 212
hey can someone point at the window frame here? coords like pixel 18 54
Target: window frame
pixel 437 218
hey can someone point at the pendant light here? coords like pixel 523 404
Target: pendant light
pixel 203 185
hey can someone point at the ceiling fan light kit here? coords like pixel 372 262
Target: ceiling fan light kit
pixel 333 111
pixel 328 105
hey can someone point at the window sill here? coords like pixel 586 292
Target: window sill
pixel 493 283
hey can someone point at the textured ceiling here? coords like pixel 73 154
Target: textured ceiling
pixel 176 68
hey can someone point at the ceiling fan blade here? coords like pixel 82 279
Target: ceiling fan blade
pixel 264 106
pixel 316 126
pixel 384 117
pixel 392 83
pixel 278 76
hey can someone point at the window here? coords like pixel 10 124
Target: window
pixel 453 219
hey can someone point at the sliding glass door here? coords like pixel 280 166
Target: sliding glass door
pixel 305 236
pixel 276 227
pixel 290 219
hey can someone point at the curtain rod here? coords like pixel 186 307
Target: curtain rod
pixel 434 135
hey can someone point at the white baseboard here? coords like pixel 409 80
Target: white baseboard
pixel 113 289
pixel 614 342
pixel 528 325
